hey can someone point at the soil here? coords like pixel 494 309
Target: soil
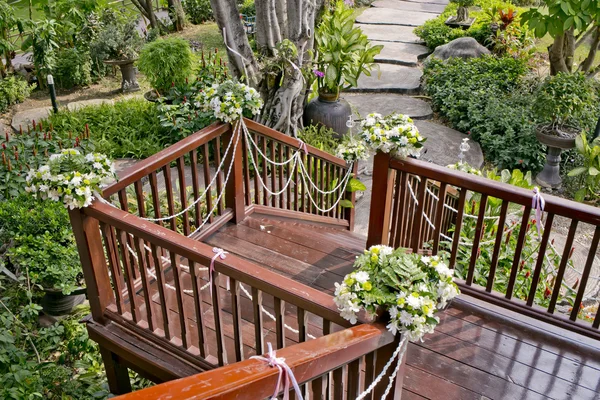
pixel 567 132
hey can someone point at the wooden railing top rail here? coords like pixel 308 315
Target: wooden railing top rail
pixel 166 156
pixel 557 205
pixel 311 300
pixel 290 141
pixel 255 379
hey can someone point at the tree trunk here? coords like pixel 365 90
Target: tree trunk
pixel 462 14
pixel 176 14
pixel 586 66
pixel 145 8
pixel 276 20
pixel 569 53
pixel 556 55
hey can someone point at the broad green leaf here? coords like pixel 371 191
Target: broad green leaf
pixel 346 203
pixel 593 171
pixel 580 194
pixel 577 171
pixel 355 185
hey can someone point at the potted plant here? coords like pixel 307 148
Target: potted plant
pixel 166 63
pixel 461 19
pixel 342 54
pixel 118 43
pixel 395 134
pixel 405 290
pixel 561 103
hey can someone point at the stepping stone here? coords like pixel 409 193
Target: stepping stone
pixel 408 54
pixel 3 129
pixel 392 78
pixel 390 33
pixel 387 16
pixel 442 2
pixel 25 118
pixel 387 103
pixel 410 6
pixel 76 105
pixel 443 143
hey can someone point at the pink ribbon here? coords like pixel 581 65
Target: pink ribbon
pixel 302 146
pixel 538 203
pixel 285 374
pixel 220 253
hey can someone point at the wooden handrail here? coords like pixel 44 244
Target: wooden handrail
pixel 164 157
pixel 310 299
pixel 254 379
pixel 571 209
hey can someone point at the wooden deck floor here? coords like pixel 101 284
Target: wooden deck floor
pixel 477 352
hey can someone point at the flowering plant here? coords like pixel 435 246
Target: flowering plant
pixel 410 286
pixel 71 177
pixel 352 149
pixel 230 101
pixel 395 134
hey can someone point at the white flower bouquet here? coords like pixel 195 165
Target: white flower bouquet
pixel 395 134
pixel 71 177
pixel 352 149
pixel 411 287
pixel 229 101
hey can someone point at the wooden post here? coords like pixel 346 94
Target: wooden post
pixel 350 213
pixel 234 191
pixel 381 200
pixel 382 357
pixel 93 263
pixel 116 373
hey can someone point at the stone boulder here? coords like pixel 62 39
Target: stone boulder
pixel 465 47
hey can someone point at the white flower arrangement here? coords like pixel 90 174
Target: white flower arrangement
pixel 71 177
pixel 395 134
pixel 352 149
pixel 229 101
pixel 411 287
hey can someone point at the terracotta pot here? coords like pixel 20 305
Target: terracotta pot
pixel 555 141
pixel 328 110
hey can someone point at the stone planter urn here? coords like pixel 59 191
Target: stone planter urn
pixel 329 110
pixel 56 303
pixel 129 82
pixel 550 175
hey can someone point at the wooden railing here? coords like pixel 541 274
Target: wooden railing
pixel 512 269
pixel 337 355
pixel 167 182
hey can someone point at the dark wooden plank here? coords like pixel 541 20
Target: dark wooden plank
pixel 439 211
pixel 170 200
pixel 128 267
pixel 161 288
pixel 434 387
pixel 207 180
pixel 256 164
pixel 198 308
pixel 116 271
pixel 477 238
pixel 196 187
pixel 237 319
pixel 280 322
pixel 563 265
pixel 143 261
pixel 247 187
pixel 353 387
pixel 217 148
pixel 265 172
pixel 258 320
pixel 155 196
pixel 183 195
pixel 281 174
pixel 176 268
pixel 540 260
pixel 459 219
pixel 585 274
pixel 518 250
pixel 497 244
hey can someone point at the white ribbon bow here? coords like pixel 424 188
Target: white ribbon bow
pixel 285 374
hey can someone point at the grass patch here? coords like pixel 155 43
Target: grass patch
pixel 207 34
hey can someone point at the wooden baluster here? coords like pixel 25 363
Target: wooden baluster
pixel 412 207
pixel 458 226
pixel 160 279
pixel 236 314
pixel 518 250
pixel 563 265
pixel 279 306
pixel 288 176
pixel 123 200
pixel 196 187
pixel 299 187
pixel 170 201
pixel 273 173
pixel 207 179
pixel 183 195
pixel 540 260
pixel 418 218
pixel 220 173
pixel 586 274
pixel 497 246
pixel 139 195
pixel 354 379
pixel 309 188
pixel 265 172
pixel 327 187
pixel 155 197
pixel 198 309
pixel 258 320
pixel 302 325
pixel 216 303
pixel 439 212
pixel 281 167
pixel 477 238
pixel 113 264
pixel 322 197
pixel 338 383
pixel 176 268
pixel 379 217
pixel 127 257
pixel 369 373
pixel 91 254
pixel 234 191
pixel 247 188
pixel 257 171
pixel 395 209
pixel 142 263
pixel 596 322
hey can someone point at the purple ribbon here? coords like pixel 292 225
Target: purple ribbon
pixel 538 203
pixel 285 374
pixel 302 146
pixel 220 253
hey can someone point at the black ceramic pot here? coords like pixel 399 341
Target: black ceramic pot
pixel 56 303
pixel 328 110
pixel 550 175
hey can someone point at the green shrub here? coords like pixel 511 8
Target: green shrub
pixel 436 33
pixel 13 90
pixel 198 11
pixel 73 68
pixel 130 128
pixel 117 37
pixel 248 8
pixel 321 137
pixel 166 62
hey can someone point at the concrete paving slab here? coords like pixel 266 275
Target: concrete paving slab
pixel 435 9
pixel 25 118
pixel 442 146
pixel 76 105
pixel 408 54
pixel 391 78
pixel 386 16
pixel 387 103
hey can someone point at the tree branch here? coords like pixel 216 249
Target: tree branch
pixel 589 61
